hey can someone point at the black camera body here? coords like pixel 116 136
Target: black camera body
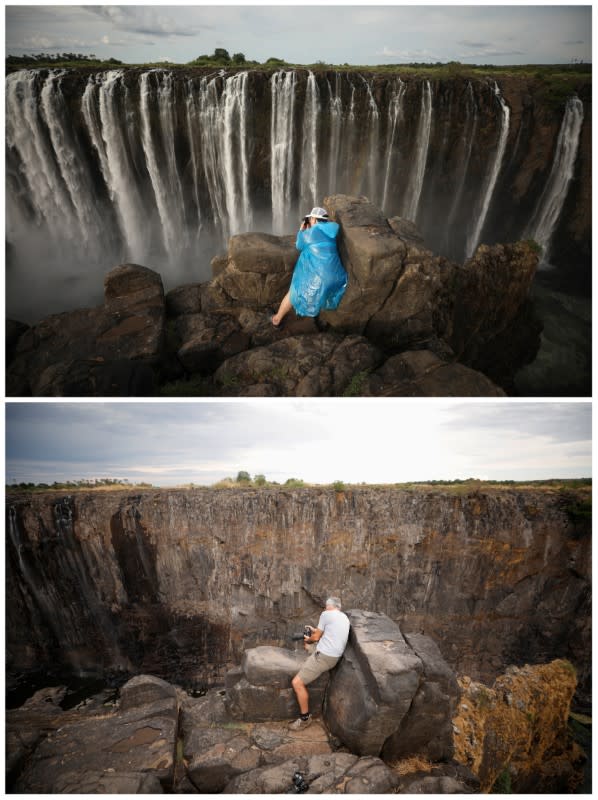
pixel 300 785
pixel 298 637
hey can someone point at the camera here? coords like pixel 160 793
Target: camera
pixel 300 785
pixel 298 637
pixel 306 221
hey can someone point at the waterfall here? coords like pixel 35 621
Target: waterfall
pixel 37 161
pixel 161 162
pixel 348 143
pixel 219 122
pixel 395 113
pixel 160 169
pixel 473 240
pixel 121 180
pixel 373 126
pixel 192 113
pixel 552 199
pixel 206 119
pixel 309 161
pixel 418 170
pixel 282 129
pixel 70 163
pixel 467 140
pixel 336 120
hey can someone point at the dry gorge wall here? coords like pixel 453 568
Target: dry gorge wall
pixel 178 583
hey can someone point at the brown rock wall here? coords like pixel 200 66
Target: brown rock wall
pixel 179 582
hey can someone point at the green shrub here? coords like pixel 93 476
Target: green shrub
pixel 502 784
pixel 338 486
pixel 294 483
pixel 355 387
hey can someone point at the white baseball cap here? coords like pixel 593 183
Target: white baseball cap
pixel 318 213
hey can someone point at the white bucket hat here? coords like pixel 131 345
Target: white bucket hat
pixel 318 213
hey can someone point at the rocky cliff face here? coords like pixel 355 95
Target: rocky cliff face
pixel 160 167
pixel 179 582
pixel 516 733
pixel 410 323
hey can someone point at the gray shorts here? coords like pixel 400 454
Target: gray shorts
pixel 315 665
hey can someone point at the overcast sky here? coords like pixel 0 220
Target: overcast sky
pixel 333 33
pixel 318 441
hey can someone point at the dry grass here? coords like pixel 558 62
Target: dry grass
pixel 407 766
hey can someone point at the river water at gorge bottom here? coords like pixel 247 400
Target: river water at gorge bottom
pixel 563 365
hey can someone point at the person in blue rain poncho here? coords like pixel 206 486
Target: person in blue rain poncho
pixel 319 278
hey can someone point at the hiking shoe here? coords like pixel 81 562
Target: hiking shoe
pixel 299 724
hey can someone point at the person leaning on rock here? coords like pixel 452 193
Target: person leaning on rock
pixel 326 644
pixel 319 278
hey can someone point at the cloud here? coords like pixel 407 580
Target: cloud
pixel 38 41
pixel 477 45
pixel 372 441
pixel 408 55
pixel 145 20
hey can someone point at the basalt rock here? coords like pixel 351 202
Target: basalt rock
pixel 339 773
pixel 401 298
pixel 110 350
pixel 179 583
pixel 515 732
pixel 437 779
pixel 426 729
pixel 263 689
pixel 130 749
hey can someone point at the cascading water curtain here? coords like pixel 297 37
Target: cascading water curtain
pixel 552 199
pixel 162 169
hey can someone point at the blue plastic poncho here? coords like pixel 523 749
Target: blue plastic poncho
pixel 319 280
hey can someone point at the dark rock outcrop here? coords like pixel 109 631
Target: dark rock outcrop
pixel 112 350
pixel 138 746
pixel 426 729
pixel 180 583
pixel 262 691
pixel 132 749
pixel 516 731
pixel 339 773
pixel 438 779
pixel 474 323
pixel 373 685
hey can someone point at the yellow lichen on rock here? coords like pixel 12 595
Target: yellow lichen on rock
pixel 519 727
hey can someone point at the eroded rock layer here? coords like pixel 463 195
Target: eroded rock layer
pixel 180 582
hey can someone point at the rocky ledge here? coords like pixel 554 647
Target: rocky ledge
pixel 391 717
pixel 410 324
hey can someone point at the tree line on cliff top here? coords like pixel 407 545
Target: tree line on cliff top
pixel 244 480
pixel 221 58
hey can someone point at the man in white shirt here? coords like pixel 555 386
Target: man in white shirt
pixel 330 638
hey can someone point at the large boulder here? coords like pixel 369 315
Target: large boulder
pixel 494 327
pixel 373 685
pixel 373 256
pixel 401 298
pixel 257 274
pixel 516 731
pixel 444 778
pixel 215 755
pixel 338 773
pixel 320 365
pixel 427 728
pixel 111 350
pixel 422 373
pixel 209 339
pixel 139 738
pixel 262 691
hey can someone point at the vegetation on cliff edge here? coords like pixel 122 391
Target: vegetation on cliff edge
pixel 579 508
